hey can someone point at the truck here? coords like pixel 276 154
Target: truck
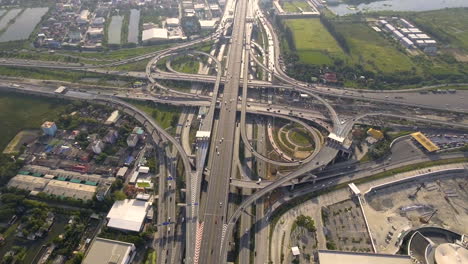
pixel 61 90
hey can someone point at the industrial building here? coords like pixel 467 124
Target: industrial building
pixel 334 257
pixel 106 251
pixel 128 215
pixel 59 187
pixel 49 128
pixel 154 34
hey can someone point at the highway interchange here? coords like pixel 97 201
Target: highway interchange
pixel 204 234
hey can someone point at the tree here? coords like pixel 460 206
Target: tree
pixel 119 196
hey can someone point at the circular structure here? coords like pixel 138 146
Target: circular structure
pixel 451 254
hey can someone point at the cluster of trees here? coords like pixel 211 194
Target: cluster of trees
pixel 306 222
pixel 190 25
pixel 34 220
pixel 138 239
pixel 8 168
pixel 286 33
pixel 67 243
pixel 337 35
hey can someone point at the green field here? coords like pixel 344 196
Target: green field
pixel 448 25
pixel 18 112
pixel 300 137
pixel 351 48
pixel 166 116
pixel 185 64
pixel 313 42
pixel 66 75
pixel 371 50
pixel 296 6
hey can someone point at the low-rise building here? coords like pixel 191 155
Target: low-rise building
pixel 49 128
pixel 113 118
pixel 333 257
pixel 106 251
pixel 128 215
pixel 172 22
pixel 111 136
pixel 208 24
pixel 132 140
pixel 154 35
pixel 97 146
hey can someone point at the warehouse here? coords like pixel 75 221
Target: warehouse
pixel 128 215
pixel 154 34
pixel 105 251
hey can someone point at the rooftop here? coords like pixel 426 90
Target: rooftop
pixel 154 34
pixel 128 214
pixel 425 142
pixel 106 251
pixel 333 257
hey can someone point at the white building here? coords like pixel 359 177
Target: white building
pixel 105 251
pixel 97 146
pixel 83 17
pixel 113 118
pixel 128 215
pixel 132 140
pixel 154 34
pixel 172 22
pixel 208 24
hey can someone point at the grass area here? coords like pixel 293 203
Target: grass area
pixel 134 66
pixel 151 257
pixel 296 6
pixel 65 75
pixel 371 51
pixel 300 137
pixel 186 64
pixel 18 112
pixel 165 115
pixel 351 48
pixel 313 42
pixel 143 184
pixel 448 25
pixel 119 54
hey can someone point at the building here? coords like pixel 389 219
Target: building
pixel 49 128
pixel 334 257
pixel 143 169
pixel 154 34
pixel 132 140
pixel 111 136
pixel 172 22
pixel 139 131
pixel 375 133
pixel 426 143
pixel 128 215
pixel 37 182
pixel 208 24
pixel 98 22
pixel 106 251
pixel 97 146
pixel 121 172
pixel 113 118
pixel 83 18
pixel 295 251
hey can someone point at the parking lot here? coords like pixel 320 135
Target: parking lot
pixel 345 227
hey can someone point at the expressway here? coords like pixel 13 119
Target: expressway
pixel 218 181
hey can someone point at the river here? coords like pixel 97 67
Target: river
pixel 398 5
